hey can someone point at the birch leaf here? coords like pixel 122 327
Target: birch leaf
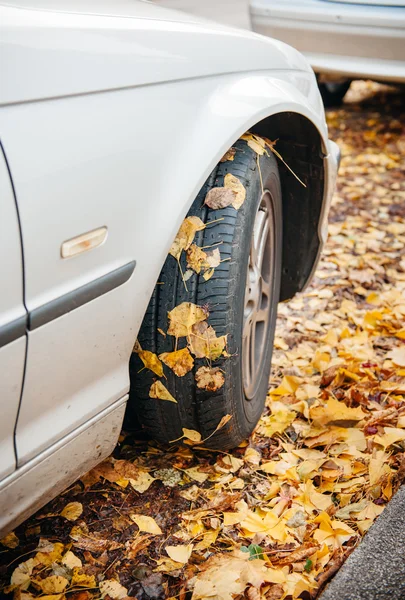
pixel 185 235
pixel 180 361
pixel 183 317
pixel 159 391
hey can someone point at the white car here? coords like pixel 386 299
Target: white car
pixel 115 117
pixel 342 39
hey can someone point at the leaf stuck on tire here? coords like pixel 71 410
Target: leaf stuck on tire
pixel 210 379
pixel 180 361
pixel 159 391
pixel 183 317
pixel 185 235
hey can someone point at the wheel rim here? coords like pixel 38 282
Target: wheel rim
pixel 258 296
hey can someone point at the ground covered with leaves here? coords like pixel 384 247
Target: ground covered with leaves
pixel 276 517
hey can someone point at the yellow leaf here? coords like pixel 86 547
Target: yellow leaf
pixel 321 361
pixel 204 343
pixel 288 386
pixel 397 356
pixel 233 183
pixel 71 560
pixel 252 456
pixel 112 588
pixel 192 435
pixel 72 511
pixel 167 565
pixel 391 436
pixel 142 482
pixel 335 412
pixel 80 579
pixel 312 499
pixel 256 143
pixel 151 362
pixel 225 419
pixel 159 391
pixel 209 538
pixel 54 554
pixel 378 467
pixel 185 235
pixel 196 258
pixel 54 584
pixel 21 576
pixel 210 379
pixel 197 475
pixel 146 524
pixel 183 317
pixel 229 155
pixel 10 540
pixel 180 553
pixel 180 361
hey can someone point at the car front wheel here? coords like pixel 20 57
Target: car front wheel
pixel 240 301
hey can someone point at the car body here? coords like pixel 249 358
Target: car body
pixel 112 116
pixel 342 39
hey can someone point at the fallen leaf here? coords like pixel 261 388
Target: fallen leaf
pixel 113 589
pixel 10 540
pixel 183 317
pixel 70 560
pixel 151 362
pixel 196 258
pixel 335 412
pixel 159 391
pixel 181 553
pixel 229 155
pixel 142 482
pixel 185 235
pixel 180 361
pixel 191 434
pixel 72 511
pixel 220 197
pixel 233 183
pixel 204 343
pixel 397 356
pixel 80 579
pixel 146 524
pixel 210 379
pixel 54 584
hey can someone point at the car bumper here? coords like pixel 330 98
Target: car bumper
pixel 350 40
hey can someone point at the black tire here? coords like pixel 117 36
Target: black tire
pixel 333 93
pixel 224 294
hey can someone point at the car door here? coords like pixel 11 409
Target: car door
pixel 13 339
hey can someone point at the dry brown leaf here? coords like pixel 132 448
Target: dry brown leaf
pixel 220 197
pixel 180 361
pixel 160 392
pixel 196 258
pixel 210 379
pixel 229 155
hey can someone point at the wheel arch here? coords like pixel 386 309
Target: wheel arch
pixel 301 146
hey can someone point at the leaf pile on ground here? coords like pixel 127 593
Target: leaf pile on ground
pixel 276 517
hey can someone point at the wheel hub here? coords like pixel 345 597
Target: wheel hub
pixel 258 292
